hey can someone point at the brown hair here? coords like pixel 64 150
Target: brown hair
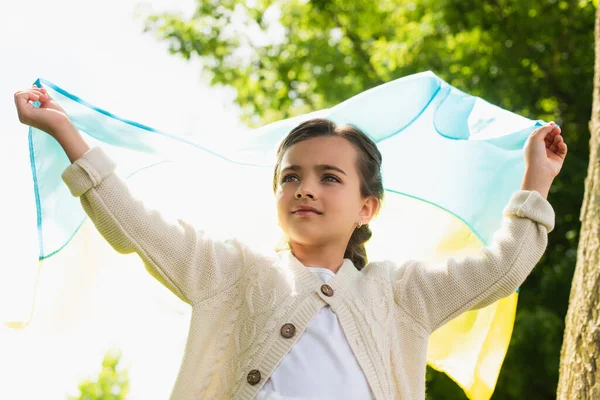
pixel 368 166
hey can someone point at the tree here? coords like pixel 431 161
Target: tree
pixel 580 355
pixel 111 384
pixel 284 58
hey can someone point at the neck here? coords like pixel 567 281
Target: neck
pixel 330 257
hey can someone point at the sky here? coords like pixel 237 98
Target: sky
pixel 96 50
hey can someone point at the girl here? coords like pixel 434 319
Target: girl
pixel 317 320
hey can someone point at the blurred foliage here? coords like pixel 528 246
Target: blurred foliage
pixel 112 384
pixel 535 58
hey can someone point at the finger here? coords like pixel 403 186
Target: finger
pixel 37 92
pixel 548 134
pixel 45 94
pixel 552 130
pixel 26 96
pixel 22 102
pixel 42 97
pixel 550 138
pixel 562 149
pixel 558 139
pixel 553 140
pixel 542 132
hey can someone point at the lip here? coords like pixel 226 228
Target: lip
pixel 304 213
pixel 306 210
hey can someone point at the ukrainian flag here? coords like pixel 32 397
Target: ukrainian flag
pixel 451 162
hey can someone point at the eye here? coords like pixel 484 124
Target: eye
pixel 288 178
pixel 331 178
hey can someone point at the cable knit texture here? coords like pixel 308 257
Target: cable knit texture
pixel 241 298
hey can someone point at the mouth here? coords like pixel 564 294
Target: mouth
pixel 305 213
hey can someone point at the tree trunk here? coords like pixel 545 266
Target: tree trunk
pixel 580 356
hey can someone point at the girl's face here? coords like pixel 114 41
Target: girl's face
pixel 320 174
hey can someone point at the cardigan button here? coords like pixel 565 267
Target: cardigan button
pixel 288 331
pixel 253 377
pixel 327 290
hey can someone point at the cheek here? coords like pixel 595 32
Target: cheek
pixel 343 204
pixel 336 199
pixel 283 198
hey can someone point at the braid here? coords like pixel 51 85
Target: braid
pixel 356 251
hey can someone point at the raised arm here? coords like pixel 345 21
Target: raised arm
pixel 433 294
pixel 185 260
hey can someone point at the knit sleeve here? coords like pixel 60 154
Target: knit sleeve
pixel 187 261
pixel 436 293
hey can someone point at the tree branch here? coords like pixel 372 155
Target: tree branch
pixel 356 43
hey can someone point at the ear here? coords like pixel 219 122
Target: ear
pixel 370 206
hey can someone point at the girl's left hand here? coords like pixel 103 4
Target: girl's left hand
pixel 545 151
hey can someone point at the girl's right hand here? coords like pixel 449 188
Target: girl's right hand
pixel 49 117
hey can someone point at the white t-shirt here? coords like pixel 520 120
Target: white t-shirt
pixel 320 365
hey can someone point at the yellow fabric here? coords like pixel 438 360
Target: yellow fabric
pixel 471 348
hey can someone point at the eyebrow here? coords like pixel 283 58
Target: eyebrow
pixel 320 167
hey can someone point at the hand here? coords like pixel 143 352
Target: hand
pixel 49 117
pixel 545 151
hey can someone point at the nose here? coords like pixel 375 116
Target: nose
pixel 304 191
pixel 299 195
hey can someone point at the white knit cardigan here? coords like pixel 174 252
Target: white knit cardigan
pixel 241 299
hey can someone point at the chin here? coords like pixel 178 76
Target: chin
pixel 306 237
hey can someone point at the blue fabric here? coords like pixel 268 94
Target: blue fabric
pixel 440 145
